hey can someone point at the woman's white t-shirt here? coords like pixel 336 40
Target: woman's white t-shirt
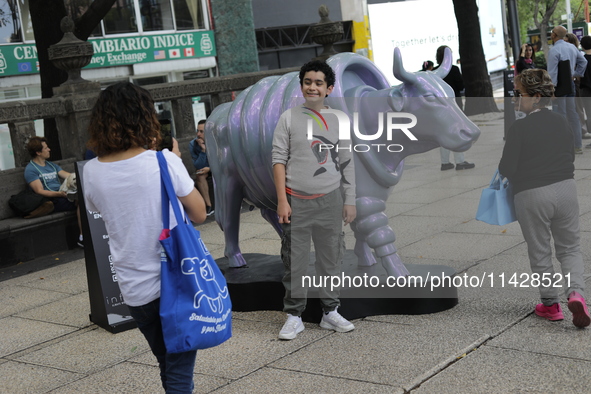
pixel 127 195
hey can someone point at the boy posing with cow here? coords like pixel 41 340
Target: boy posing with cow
pixel 315 191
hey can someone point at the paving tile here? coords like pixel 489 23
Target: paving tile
pixel 129 377
pixel 486 309
pixel 272 380
pixel 494 370
pixel 423 195
pixel 89 351
pixel 464 247
pixel 71 311
pixel 410 229
pixel 375 352
pixel 258 340
pixel 465 179
pixel 72 281
pixel 45 272
pixel 19 334
pixel 537 335
pixel 264 246
pixel 474 226
pixel 18 298
pixel 393 210
pixel 19 378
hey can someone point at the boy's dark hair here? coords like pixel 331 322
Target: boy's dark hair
pixel 586 42
pixel 318 65
pixel 35 145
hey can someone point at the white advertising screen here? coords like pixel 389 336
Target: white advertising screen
pixel 419 27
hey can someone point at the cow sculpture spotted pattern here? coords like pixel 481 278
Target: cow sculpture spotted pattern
pixel 239 138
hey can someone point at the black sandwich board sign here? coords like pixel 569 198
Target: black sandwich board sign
pixel 107 307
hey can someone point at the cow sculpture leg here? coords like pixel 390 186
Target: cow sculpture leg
pixel 270 216
pixel 372 231
pixel 228 201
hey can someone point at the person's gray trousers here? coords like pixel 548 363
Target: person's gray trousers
pixel 552 211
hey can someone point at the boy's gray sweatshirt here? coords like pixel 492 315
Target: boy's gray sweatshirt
pixel 318 165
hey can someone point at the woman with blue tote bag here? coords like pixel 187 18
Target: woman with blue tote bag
pixel 538 159
pixel 123 184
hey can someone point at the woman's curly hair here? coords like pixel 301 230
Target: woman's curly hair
pixel 537 81
pixel 123 117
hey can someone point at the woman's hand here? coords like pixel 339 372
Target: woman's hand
pixel 175 147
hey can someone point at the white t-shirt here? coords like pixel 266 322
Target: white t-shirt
pixel 127 195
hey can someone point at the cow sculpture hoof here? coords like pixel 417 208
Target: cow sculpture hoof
pixel 237 261
pixel 365 257
pixel 394 266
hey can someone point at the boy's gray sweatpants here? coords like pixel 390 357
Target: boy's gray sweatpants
pixel 321 220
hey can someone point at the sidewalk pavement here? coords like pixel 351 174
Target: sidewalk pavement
pixel 490 342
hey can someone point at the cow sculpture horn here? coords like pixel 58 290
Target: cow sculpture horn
pixel 445 66
pixel 399 72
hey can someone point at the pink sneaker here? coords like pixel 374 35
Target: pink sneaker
pixel 577 305
pixel 552 313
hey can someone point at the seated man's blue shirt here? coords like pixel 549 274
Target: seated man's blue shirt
pixel 199 157
pixel 48 175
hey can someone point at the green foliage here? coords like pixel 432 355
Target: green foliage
pixel 541 60
pixel 526 19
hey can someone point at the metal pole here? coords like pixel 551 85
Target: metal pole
pixel 514 28
pixel 569 17
pixel 506 33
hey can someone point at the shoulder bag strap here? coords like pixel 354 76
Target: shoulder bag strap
pixel 168 195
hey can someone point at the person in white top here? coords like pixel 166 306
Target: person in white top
pixel 123 184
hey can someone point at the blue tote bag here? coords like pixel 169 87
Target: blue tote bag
pixel 496 202
pixel 195 307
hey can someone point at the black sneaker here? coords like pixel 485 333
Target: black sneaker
pixel 80 242
pixel 209 211
pixel 465 166
pixel 447 166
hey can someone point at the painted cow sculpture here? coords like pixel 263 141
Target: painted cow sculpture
pixel 239 138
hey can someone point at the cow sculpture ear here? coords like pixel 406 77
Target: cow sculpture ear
pixel 396 100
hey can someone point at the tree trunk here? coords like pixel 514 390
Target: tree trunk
pixel 46 16
pixel 543 27
pixel 543 24
pixel 88 21
pixel 479 93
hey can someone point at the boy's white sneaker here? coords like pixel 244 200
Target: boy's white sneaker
pixel 334 321
pixel 292 327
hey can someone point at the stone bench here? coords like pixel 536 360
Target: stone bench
pixel 26 239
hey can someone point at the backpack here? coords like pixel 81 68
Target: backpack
pixel 26 202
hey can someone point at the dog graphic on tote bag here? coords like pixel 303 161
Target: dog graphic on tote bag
pixel 196 266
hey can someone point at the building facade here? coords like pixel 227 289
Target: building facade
pixel 142 41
